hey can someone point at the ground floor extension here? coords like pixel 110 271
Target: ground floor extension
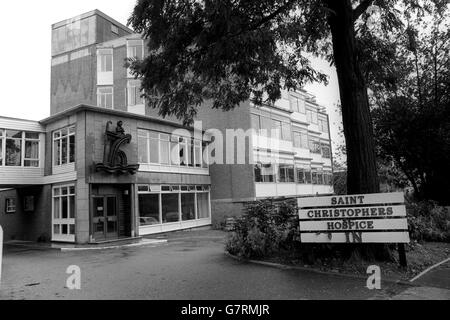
pixel 80 212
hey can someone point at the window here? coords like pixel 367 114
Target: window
pixel 286 131
pixel 114 29
pixel 105 60
pixel 10 205
pixel 286 173
pixel 314 177
pixel 266 123
pixel 170 211
pixel 326 151
pixel 164 142
pixel 134 93
pixel 153 146
pixel 149 209
pixel 323 125
pixel 314 145
pixel 135 49
pixel 319 177
pixel 328 178
pixel 202 205
pixel 311 116
pixel 166 149
pixel 198 153
pixel 31 157
pixel 19 148
pixel 187 206
pixel 64 146
pixel 308 176
pixel 276 129
pixel 265 172
pixel 105 97
pixel 13 148
pixel 303 175
pixel 300 139
pixel 297 104
pixel 167 203
pixel 63 217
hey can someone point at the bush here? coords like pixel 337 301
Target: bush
pixel 265 227
pixel 428 222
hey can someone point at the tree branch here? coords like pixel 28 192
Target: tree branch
pixel 361 8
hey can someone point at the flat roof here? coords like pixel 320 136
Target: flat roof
pixel 85 107
pixel 88 14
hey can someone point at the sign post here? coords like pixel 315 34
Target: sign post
pixel 363 218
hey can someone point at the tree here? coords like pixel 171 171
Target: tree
pixel 228 51
pixel 408 75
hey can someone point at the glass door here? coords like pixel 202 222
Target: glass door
pixel 104 218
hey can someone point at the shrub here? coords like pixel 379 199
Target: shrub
pixel 428 222
pixel 264 228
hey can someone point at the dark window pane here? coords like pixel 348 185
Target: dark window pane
pixel 188 206
pixel 13 152
pixel 148 209
pixel 170 211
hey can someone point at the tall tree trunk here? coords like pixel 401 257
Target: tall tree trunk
pixel 362 174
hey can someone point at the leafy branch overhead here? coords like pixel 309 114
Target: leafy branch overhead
pixel 224 52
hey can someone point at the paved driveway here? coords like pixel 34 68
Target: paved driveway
pixel 192 265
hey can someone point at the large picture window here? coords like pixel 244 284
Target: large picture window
pixel 19 148
pixel 167 204
pixel 149 209
pixel 165 149
pixel 64 146
pixel 63 218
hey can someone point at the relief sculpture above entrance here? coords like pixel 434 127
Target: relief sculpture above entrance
pixel 114 159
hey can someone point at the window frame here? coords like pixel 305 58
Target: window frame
pixel 70 131
pixel 193 147
pixel 60 221
pixel 23 142
pixel 179 190
pixel 101 95
pixel 102 60
pixel 8 207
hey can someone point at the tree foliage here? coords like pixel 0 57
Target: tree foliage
pixel 228 51
pixel 408 72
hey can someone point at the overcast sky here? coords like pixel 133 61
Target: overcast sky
pixel 25 56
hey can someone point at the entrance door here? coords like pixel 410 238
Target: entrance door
pixel 104 218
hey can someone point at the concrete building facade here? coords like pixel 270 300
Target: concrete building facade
pixel 58 190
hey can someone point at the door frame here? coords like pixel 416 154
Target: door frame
pixel 105 206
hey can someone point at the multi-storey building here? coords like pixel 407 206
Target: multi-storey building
pixel 62 187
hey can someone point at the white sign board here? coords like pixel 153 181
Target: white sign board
pixel 363 218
